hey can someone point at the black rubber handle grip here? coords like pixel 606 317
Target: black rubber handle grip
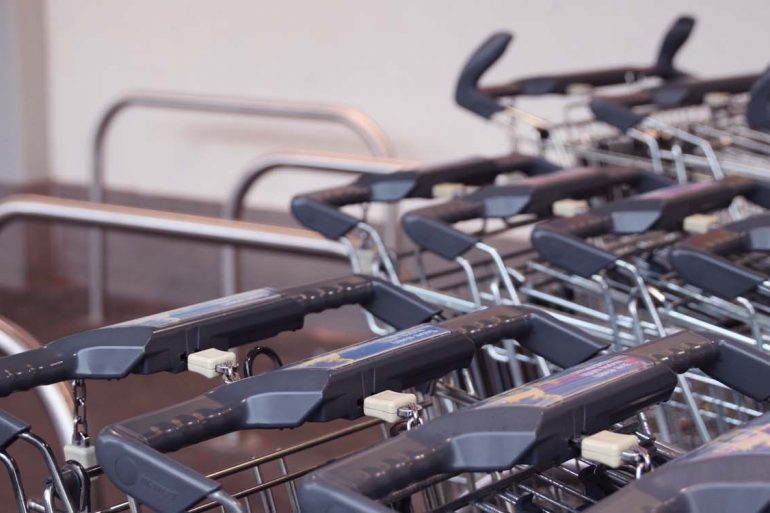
pixel 320 211
pixel 534 424
pixel 322 388
pixel 615 114
pixel 37 367
pixel 386 301
pixel 562 243
pixel 162 342
pixel 467 93
pixel 477 171
pixel 701 259
pixel 693 92
pixel 431 227
pixel 675 38
pixel 10 428
pixel 561 83
pixel 758 108
pixel 731 472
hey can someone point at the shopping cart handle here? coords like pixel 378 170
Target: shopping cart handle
pixel 616 114
pixel 324 388
pixel 701 259
pixel 562 241
pixel 694 92
pixel 680 93
pixel 676 36
pixel 563 83
pixel 161 342
pixel 758 108
pixel 533 424
pixel 320 211
pixel 467 92
pixel 10 429
pixel 729 473
pixel 431 229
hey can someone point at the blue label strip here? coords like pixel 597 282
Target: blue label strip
pixel 215 306
pixel 374 347
pixel 562 386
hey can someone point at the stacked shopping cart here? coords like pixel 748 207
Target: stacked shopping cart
pixel 582 327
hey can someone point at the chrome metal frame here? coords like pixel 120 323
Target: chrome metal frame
pixel 361 124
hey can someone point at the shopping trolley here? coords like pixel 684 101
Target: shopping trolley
pixel 331 386
pixel 498 368
pixel 321 210
pixel 730 473
pixel 194 338
pixel 730 263
pixel 627 235
pixel 497 103
pixel 627 243
pixel 566 192
pixel 531 449
pixel 690 129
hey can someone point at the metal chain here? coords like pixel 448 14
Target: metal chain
pixel 229 373
pixel 80 413
pixel 413 414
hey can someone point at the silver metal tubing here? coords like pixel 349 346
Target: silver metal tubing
pixel 361 124
pixel 646 297
pixel 56 398
pixel 228 502
pixel 317 161
pixel 387 262
pixel 16 483
pixel 501 270
pixel 652 146
pixel 53 468
pixel 158 222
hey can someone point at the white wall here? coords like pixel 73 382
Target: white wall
pixel 396 60
pixel 23 127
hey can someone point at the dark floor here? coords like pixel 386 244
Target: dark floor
pixel 60 311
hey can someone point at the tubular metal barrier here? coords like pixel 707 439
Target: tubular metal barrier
pixel 362 125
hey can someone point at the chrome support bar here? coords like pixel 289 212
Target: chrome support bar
pixel 317 161
pixel 361 124
pixel 157 222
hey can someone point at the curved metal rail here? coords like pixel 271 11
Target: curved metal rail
pixel 158 222
pixel 362 125
pixel 318 161
pixel 56 398
pixel 186 226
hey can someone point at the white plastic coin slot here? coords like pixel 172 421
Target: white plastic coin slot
pixel 607 447
pixel 207 362
pixel 86 456
pixel 510 178
pixel 700 223
pixel 385 405
pixel 447 190
pixel 569 207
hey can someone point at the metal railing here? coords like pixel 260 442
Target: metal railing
pixel 158 222
pixel 56 399
pixel 317 161
pixel 362 125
